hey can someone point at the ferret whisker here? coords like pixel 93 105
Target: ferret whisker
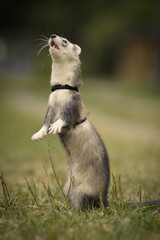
pixel 41 49
pixel 41 40
pixel 41 44
pixel 47 38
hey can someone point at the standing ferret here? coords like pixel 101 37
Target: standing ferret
pixel 89 172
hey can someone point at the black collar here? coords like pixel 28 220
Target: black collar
pixel 59 86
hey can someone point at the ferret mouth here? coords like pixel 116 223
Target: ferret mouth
pixel 53 45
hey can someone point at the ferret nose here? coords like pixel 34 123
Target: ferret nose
pixel 53 36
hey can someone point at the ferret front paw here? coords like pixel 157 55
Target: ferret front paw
pixel 39 135
pixel 56 127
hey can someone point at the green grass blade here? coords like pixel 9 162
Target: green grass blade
pixel 33 195
pixel 53 168
pixel 5 189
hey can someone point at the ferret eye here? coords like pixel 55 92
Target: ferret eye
pixel 64 42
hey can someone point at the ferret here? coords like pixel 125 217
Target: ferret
pixel 88 163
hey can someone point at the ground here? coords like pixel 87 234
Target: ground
pixel 127 117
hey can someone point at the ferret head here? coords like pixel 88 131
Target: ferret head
pixel 60 48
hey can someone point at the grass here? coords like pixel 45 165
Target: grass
pixel 32 205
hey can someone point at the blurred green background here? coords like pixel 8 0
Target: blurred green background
pixel 120 57
pixel 119 39
pixel 120 43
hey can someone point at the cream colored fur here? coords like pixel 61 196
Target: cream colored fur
pixel 88 170
pixel 83 177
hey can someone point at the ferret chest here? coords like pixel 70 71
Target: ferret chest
pixel 59 99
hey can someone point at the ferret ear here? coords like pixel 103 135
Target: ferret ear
pixel 77 48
